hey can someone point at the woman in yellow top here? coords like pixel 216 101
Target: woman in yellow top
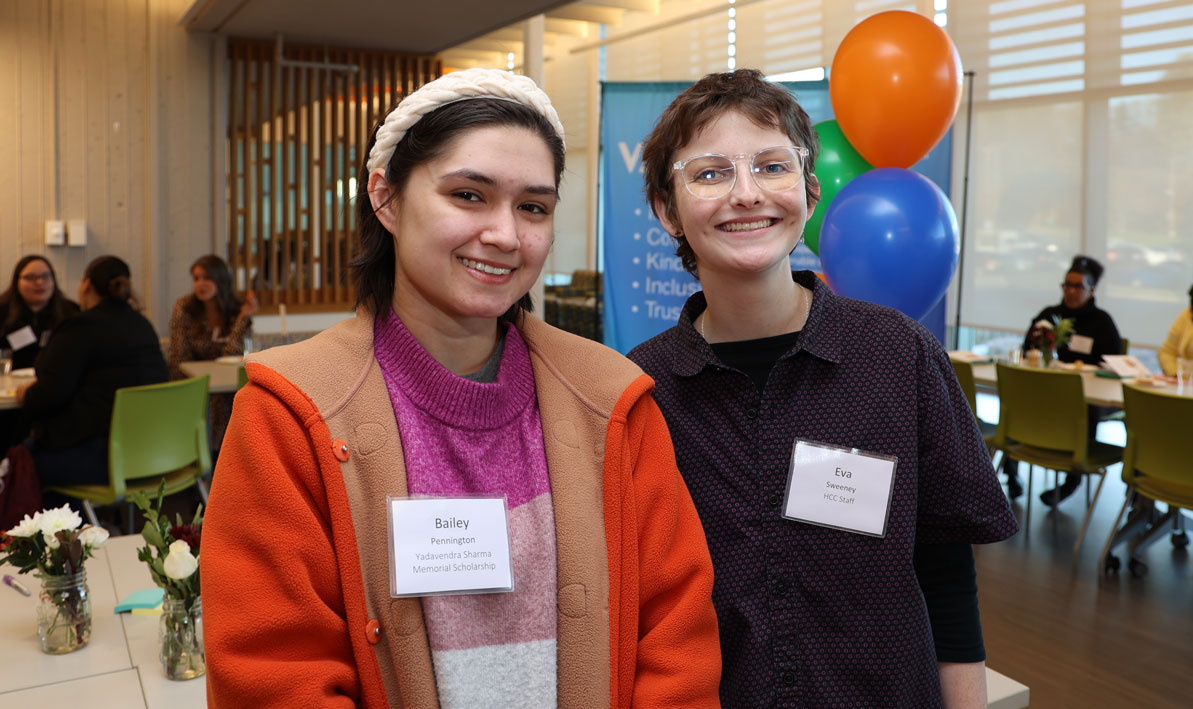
pixel 1179 342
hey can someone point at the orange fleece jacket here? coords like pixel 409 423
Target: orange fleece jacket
pixel 286 619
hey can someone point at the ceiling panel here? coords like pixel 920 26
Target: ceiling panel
pixel 418 26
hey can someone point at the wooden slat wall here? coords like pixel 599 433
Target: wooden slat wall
pixel 106 115
pixel 296 139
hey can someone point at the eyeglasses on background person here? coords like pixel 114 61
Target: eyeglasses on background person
pixel 31 277
pixel 713 175
pixel 1065 285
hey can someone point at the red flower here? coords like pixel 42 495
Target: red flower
pixel 188 533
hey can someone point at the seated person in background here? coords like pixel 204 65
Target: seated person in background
pixel 1094 332
pixel 31 308
pixel 107 347
pixel 211 322
pixel 1094 335
pixel 1179 342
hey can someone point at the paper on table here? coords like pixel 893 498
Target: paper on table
pixel 230 359
pixel 24 372
pixel 1126 366
pixel 967 356
pixel 145 598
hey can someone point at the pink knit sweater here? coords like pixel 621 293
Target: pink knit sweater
pixel 465 438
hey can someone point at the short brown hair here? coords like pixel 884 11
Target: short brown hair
pixel 746 91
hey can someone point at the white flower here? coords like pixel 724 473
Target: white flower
pixel 179 563
pixel 1046 324
pixel 51 540
pixel 58 519
pixel 27 527
pixel 94 537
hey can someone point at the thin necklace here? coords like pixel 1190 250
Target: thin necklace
pixel 803 298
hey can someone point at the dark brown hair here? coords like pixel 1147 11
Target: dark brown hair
pixel 225 296
pixel 110 277
pixel 431 137
pixel 57 310
pixel 746 91
pixel 1088 267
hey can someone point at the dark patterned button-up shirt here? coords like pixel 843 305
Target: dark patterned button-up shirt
pixel 811 616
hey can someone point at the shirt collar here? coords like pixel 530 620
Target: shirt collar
pixel 694 353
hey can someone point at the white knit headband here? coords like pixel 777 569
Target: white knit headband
pixel 458 86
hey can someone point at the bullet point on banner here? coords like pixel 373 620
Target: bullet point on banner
pixel 634 308
pixel 635 284
pixel 637 212
pixel 637 236
pixel 637 260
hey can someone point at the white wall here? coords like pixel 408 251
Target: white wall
pixel 106 115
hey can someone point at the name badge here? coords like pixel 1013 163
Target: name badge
pixel 448 545
pixel 20 339
pixel 1081 344
pixel 841 488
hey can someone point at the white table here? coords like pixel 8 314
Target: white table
pixel 224 379
pixel 1099 391
pixel 117 668
pixel 1002 692
pixel 8 390
pixel 140 631
pixel 114 690
pixel 22 663
pixel 224 376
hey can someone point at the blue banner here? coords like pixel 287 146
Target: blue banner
pixel 645 285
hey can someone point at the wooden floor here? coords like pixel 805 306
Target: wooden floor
pixel 1049 625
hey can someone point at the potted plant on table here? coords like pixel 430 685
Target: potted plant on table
pixel 172 554
pixel 1049 335
pixel 52 546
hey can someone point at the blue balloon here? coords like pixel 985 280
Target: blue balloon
pixel 890 237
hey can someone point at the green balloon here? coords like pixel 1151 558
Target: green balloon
pixel 837 164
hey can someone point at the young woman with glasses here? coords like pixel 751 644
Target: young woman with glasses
pixel 779 395
pixel 1094 335
pixel 32 307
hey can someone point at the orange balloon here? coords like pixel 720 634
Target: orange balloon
pixel 895 87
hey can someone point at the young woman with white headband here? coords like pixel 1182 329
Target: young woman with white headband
pixel 444 405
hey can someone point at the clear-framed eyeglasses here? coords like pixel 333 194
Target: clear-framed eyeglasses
pixel 712 175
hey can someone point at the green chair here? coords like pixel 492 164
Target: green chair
pixel 964 372
pixel 1043 421
pixel 1157 467
pixel 158 432
pixel 1126 345
pixel 242 378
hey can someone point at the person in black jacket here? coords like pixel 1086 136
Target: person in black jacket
pixel 109 346
pixel 1094 331
pixel 31 308
pixel 29 311
pixel 1094 335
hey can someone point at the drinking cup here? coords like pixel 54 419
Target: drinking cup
pixel 1184 372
